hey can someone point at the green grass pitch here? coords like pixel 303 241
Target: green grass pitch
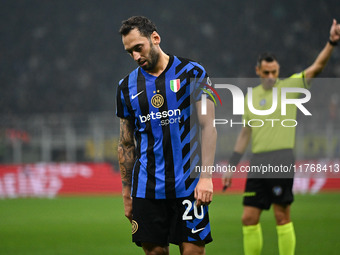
pixel 96 225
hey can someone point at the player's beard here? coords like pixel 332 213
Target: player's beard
pixel 152 59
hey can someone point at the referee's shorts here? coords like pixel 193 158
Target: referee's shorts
pixel 273 183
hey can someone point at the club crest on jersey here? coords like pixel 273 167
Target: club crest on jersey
pixel 157 100
pixel 175 85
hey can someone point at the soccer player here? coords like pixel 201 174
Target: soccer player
pixel 161 129
pixel 272 145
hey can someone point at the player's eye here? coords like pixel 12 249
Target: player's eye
pixel 138 48
pixel 129 52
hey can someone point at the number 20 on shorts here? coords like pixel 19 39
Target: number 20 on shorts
pixel 188 209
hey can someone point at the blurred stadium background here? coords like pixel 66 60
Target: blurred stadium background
pixel 60 63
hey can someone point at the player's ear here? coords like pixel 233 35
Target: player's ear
pixel 155 38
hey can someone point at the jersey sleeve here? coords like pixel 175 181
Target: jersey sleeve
pixel 199 80
pixel 297 80
pixel 121 107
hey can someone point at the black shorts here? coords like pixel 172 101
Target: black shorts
pixel 164 221
pixel 262 190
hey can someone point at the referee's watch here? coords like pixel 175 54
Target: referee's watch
pixel 333 43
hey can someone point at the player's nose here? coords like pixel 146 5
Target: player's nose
pixel 136 56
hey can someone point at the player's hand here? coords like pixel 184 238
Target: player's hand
pixel 334 33
pixel 128 207
pixel 204 191
pixel 127 200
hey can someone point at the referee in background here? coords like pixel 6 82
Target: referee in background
pixel 273 146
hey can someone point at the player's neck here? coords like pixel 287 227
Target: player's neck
pixel 161 64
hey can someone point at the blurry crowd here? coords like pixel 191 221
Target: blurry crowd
pixel 67 57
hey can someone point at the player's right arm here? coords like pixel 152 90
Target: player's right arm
pixel 126 159
pixel 241 145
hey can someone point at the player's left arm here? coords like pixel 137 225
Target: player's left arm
pixel 323 57
pixel 126 158
pixel 204 188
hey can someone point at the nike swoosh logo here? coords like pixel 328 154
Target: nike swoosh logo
pixel 134 96
pixel 197 230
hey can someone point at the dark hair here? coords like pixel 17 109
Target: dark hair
pixel 144 25
pixel 266 56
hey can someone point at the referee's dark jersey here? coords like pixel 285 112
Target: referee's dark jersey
pixel 163 109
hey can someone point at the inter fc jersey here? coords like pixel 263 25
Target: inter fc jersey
pixel 274 131
pixel 166 133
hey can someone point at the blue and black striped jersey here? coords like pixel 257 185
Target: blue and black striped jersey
pixel 165 126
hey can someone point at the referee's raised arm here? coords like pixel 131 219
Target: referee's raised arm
pixel 323 57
